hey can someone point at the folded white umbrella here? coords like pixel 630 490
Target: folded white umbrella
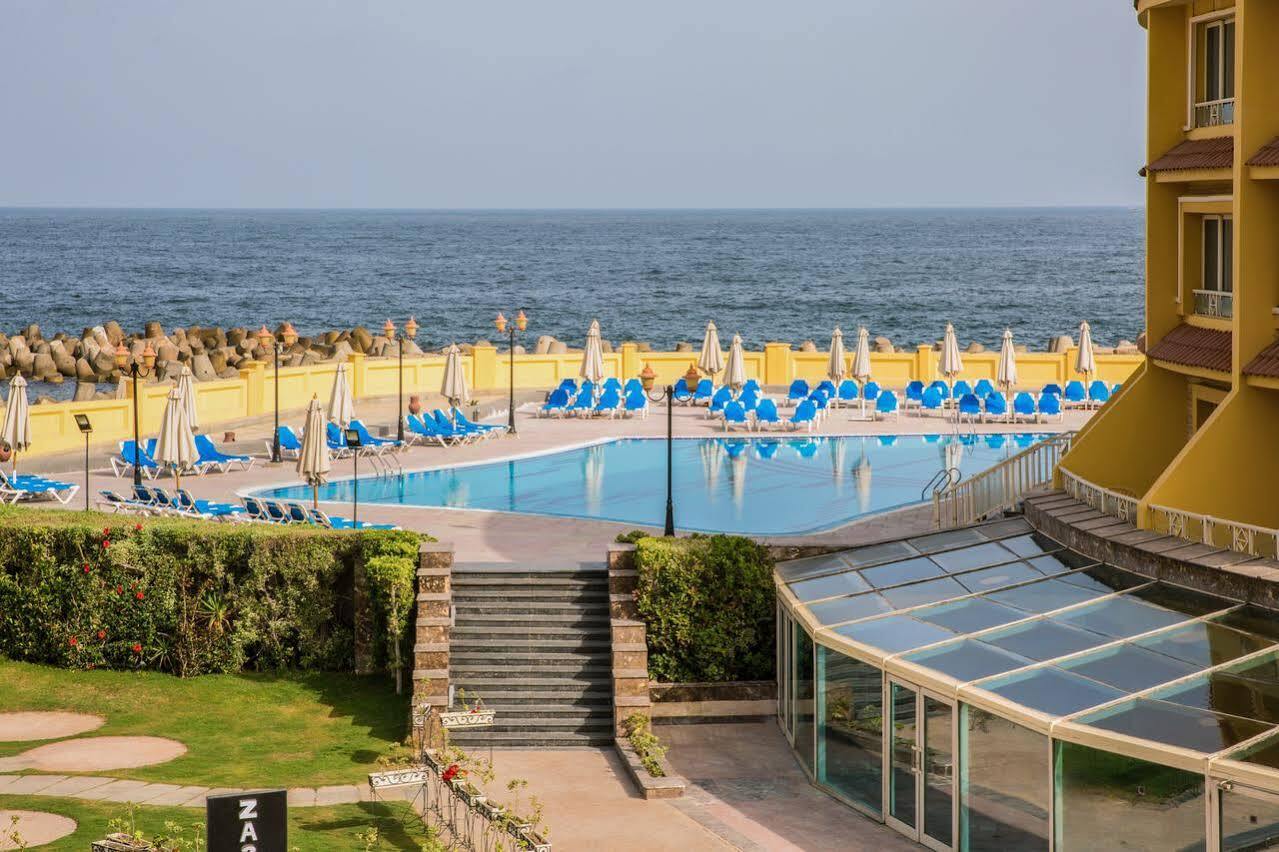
pixel 712 459
pixel 341 404
pixel 836 369
pixel 315 461
pixel 1006 369
pixel 863 473
pixel 175 446
pixel 593 357
pixel 1085 362
pixel 711 361
pixel 735 372
pixel 186 387
pixel 17 419
pixel 950 364
pixel 453 388
pixel 861 362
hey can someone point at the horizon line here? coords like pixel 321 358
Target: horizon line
pixel 1136 205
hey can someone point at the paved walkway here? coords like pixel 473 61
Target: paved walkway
pixel 107 789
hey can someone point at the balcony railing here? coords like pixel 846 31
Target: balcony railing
pixel 1214 303
pixel 1215 113
pixel 1215 532
pixel 1001 487
pixel 1104 500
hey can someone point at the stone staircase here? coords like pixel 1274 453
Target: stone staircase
pixel 535 647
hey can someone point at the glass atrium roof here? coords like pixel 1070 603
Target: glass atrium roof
pixel 1003 618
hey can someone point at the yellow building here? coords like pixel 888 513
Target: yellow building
pixel 1191 445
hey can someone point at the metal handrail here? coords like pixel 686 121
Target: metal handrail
pixel 1244 537
pixel 1105 500
pixel 1001 487
pixel 1214 303
pixel 942 479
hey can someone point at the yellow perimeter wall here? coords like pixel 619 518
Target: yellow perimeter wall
pixel 253 393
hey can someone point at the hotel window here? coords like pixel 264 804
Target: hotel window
pixel 1215 72
pixel 1214 297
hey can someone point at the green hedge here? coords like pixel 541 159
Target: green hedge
pixel 709 606
pixel 86 590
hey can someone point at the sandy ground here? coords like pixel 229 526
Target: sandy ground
pixel 93 754
pixel 35 828
pixel 46 725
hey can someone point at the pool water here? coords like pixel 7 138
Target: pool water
pixel 761 486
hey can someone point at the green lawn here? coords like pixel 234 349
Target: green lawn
pixel 245 730
pixel 310 829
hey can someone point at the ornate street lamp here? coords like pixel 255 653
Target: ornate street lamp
pixel 135 371
pixel 506 327
pixel 277 345
pixel 668 393
pixel 410 332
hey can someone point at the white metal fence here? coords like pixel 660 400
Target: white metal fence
pixel 1105 500
pixel 1001 487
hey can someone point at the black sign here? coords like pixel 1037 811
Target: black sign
pixel 248 822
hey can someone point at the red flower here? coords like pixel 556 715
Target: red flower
pixel 102 634
pixel 86 567
pixel 139 596
pixel 137 647
pixel 119 590
pixel 106 531
pixel 74 641
pixel 105 544
pixel 450 773
pixel 137 527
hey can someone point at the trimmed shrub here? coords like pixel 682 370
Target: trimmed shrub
pixel 191 597
pixel 709 606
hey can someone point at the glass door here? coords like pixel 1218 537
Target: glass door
pixel 920 773
pixel 1248 819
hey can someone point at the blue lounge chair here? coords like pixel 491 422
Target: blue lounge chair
pixel 942 389
pixel 368 440
pixel 682 393
pixel 704 391
pixel 886 404
pixel 569 386
pixel 1024 407
pixel 556 403
pixel 870 393
pixel 290 443
pixel 720 399
pixel 336 441
pixel 609 404
pixel 612 383
pixel 1114 389
pixel 636 403
pixel 827 387
pixel 914 392
pixel 1098 393
pixel 970 407
pixel 256 511
pixel 820 401
pixel 333 522
pixel 423 431
pixel 211 456
pixel 453 429
pixel 847 391
pixel 752 386
pixel 27 486
pixel 1052 388
pixel 589 388
pixel 735 415
pixel 749 399
pixel 276 512
pixel 200 466
pixel 961 387
pixel 110 500
pixel 632 386
pixel 188 504
pixel 805 415
pixel 996 406
pixel 1050 406
pixel 484 430
pixel 798 391
pixel 583 403
pixel 983 388
pixel 932 400
pixel 124 461
pixel 766 414
pixel 1075 394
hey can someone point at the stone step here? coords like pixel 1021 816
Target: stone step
pixel 533 698
pixel 515 646
pixel 568 719
pixel 526 578
pixel 529 739
pixel 563 596
pixel 568 618
pixel 502 633
pixel 485 684
pixel 504 655
pixel 502 605
pixel 565 670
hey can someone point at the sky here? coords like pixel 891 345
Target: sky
pixel 568 103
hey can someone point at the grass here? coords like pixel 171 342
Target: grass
pixel 242 730
pixel 310 829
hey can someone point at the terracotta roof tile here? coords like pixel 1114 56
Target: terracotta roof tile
pixel 1216 153
pixel 1268 155
pixel 1266 363
pixel 1191 346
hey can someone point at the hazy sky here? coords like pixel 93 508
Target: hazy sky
pixel 695 103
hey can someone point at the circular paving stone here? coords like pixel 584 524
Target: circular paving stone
pixel 36 828
pixel 94 754
pixel 45 725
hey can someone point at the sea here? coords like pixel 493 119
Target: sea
pixel 649 275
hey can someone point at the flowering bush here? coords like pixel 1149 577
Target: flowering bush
pixel 190 597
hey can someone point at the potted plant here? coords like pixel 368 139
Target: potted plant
pixel 472 714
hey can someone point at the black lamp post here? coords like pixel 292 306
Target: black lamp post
pixel 136 372
pixel 668 393
pixel 286 340
pixel 354 444
pixel 506 327
pixel 82 423
pixel 410 332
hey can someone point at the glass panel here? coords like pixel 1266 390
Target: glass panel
pixel 1004 785
pixel 1003 528
pixel 1227 255
pixel 946 540
pixel 929 591
pixel 968 660
pixel 896 633
pixel 804 711
pixel 1264 753
pixel 970 615
pixel 939 770
pixel 1104 579
pixel 901 572
pixel 848 583
pixel 1205 643
pixel 999 577
pixel 875 553
pixel 850 741
pixel 1212 63
pixel 901 780
pixel 1045 639
pixel 1052 690
pixel 1210 252
pixel 784 699
pixel 1248 822
pixel 1180 599
pixel 1049 565
pixel 1251 691
pixel 973 557
pixel 1120 617
pixel 1228 59
pixel 1175 724
pixel 812 566
pixel 1108 801
pixel 1030 545
pixel 1042 597
pixel 847 609
pixel 1130 668
pixel 1254 619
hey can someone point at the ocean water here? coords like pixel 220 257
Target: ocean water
pixel 654 276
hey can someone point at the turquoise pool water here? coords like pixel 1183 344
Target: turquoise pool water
pixel 764 486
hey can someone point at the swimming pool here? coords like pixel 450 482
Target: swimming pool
pixel 762 486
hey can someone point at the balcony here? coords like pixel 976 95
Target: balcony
pixel 1215 113
pixel 1214 303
